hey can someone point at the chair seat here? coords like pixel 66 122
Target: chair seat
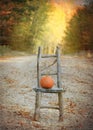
pixel 52 90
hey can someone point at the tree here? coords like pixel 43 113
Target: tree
pixel 79 35
pixel 38 25
pixel 20 39
pixel 22 22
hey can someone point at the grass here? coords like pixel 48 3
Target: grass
pixel 4 50
pixel 7 51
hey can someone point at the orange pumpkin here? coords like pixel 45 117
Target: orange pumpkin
pixel 46 82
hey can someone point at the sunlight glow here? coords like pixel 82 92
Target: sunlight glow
pixel 57 21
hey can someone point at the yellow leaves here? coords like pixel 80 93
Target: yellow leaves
pixel 5 12
pixel 2 107
pixel 82 111
pixel 24 113
pixel 71 107
pixel 9 80
pixel 36 124
pixel 72 104
pixel 21 123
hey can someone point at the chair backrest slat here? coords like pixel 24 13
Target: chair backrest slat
pixel 58 68
pixel 48 56
pixel 39 74
pixel 38 66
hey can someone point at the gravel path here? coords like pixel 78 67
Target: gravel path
pixel 18 77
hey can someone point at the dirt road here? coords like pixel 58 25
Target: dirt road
pixel 18 77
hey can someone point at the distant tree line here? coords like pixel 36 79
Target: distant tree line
pixel 22 26
pixel 21 23
pixel 79 32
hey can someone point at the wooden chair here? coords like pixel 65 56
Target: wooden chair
pixel 40 90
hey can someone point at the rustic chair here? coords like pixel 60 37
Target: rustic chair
pixel 58 89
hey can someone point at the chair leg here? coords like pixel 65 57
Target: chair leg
pixel 37 106
pixel 60 106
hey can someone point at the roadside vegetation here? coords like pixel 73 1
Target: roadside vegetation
pixel 27 24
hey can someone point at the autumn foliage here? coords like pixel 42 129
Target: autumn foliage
pixel 27 24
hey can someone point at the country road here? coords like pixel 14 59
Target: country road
pixel 18 77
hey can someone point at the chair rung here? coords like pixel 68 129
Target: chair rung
pixel 48 74
pixel 52 90
pixel 48 56
pixel 49 107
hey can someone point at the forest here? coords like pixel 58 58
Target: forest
pixel 27 24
